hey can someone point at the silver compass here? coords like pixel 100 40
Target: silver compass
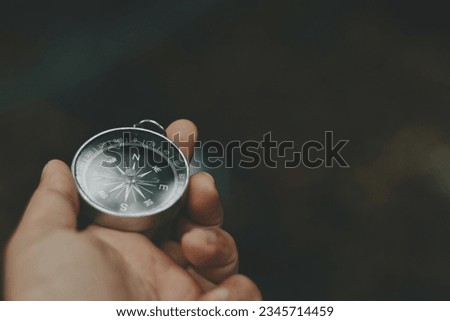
pixel 134 176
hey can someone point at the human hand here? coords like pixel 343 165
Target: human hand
pixel 48 259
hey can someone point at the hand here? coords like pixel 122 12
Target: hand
pixel 48 259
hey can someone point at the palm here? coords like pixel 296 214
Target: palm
pixel 148 273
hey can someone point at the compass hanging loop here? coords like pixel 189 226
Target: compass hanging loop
pixel 151 125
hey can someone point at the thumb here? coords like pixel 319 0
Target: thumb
pixel 55 202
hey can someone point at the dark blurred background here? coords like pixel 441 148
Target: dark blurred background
pixel 376 73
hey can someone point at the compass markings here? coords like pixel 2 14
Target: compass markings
pixel 140 169
pixel 120 192
pixel 109 183
pixel 137 189
pixel 120 170
pixel 146 183
pixel 148 202
pixel 133 181
pixel 127 191
pixel 107 177
pixel 145 189
pixel 134 194
pixel 143 174
pixel 163 187
pixel 118 187
pixel 109 169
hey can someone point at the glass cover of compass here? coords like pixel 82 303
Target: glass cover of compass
pixel 130 172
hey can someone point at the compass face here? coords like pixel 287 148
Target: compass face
pixel 130 172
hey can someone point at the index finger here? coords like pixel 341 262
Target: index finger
pixel 183 133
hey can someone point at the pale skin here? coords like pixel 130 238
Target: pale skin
pixel 48 259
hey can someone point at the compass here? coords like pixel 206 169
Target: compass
pixel 134 176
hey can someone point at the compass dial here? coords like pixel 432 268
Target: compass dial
pixel 130 172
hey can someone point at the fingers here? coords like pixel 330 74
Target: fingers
pixel 184 134
pixel 235 288
pixel 174 250
pixel 203 203
pixel 55 202
pixel 211 252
